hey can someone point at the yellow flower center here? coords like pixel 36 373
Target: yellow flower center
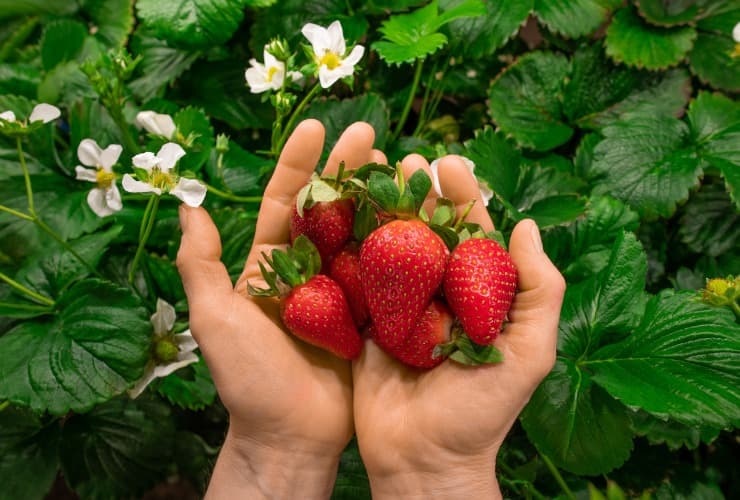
pixel 104 179
pixel 165 351
pixel 271 72
pixel 330 60
pixel 161 180
pixel 736 52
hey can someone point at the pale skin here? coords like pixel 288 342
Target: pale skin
pixel 293 408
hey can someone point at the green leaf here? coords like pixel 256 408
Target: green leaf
pixel 193 24
pixel 163 279
pixel 573 18
pixel 672 434
pixel 686 357
pixel 419 185
pixel 28 459
pixel 712 61
pixel 408 37
pixel 193 123
pixel 647 162
pixel 584 248
pixel 710 223
pixel 160 65
pixel 113 20
pixel 524 100
pixel 241 171
pixel 62 41
pixel 95 348
pixel 383 190
pixel 52 271
pixel 352 482
pixel 631 41
pixel 119 449
pixel 556 210
pixel 593 434
pixel 190 387
pixel 338 115
pixel 496 160
pixel 670 13
pixel 480 36
pixel 11 8
pixel 606 306
pixel 21 79
pixel 236 228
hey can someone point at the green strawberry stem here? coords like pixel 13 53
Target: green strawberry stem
pixel 464 216
pixel 291 268
pixel 466 352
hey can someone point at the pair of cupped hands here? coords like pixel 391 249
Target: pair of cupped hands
pixel 293 407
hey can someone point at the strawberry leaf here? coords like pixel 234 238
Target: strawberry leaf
pixel 285 267
pixel 384 191
pixel 524 100
pixel 631 41
pixel 366 221
pixel 712 60
pixel 419 185
pixel 573 18
pixel 472 354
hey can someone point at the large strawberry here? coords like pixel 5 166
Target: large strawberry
pixel 345 270
pixel 479 285
pixel 403 263
pixel 328 224
pixel 433 328
pixel 312 306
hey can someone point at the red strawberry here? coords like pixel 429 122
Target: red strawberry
pixel 432 328
pixel 318 313
pixel 479 285
pixel 345 270
pixel 403 263
pixel 328 224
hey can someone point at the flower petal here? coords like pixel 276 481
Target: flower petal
pixel 434 167
pixel 96 198
pixel 44 112
pixel 328 77
pixel 183 359
pixel 354 57
pixel 736 33
pixel 109 156
pixel 133 186
pixel 336 38
pixel 185 342
pixel 89 152
pixel 168 156
pixel 8 116
pixel 156 123
pixel 190 191
pixel 318 36
pixel 86 174
pixel 163 318
pixel 146 160
pixel 144 381
pixel 113 198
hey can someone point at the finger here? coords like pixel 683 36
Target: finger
pixel 535 313
pixel 293 170
pixel 353 148
pixel 373 367
pixel 411 164
pixel 459 185
pixel 204 277
pixel 377 156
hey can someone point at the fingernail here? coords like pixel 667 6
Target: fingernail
pixel 536 239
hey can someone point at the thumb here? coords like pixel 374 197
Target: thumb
pixel 535 313
pixel 205 279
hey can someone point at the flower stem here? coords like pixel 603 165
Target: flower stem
pixel 410 100
pixel 25 290
pixel 558 477
pixel 147 223
pixel 233 197
pixel 44 227
pixel 26 176
pixel 128 139
pixel 4 404
pixel 15 213
pixel 293 117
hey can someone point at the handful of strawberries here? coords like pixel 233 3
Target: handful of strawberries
pixel 366 258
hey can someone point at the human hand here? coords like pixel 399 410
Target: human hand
pixel 436 433
pixel 289 403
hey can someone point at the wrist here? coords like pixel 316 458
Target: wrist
pixel 465 478
pixel 249 469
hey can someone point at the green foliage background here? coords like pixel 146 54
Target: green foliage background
pixel 614 124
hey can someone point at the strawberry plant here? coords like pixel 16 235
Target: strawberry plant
pixel 613 124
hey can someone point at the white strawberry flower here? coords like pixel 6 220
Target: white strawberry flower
pixel 170 351
pixel 736 33
pixel 329 52
pixel 41 112
pixel 104 199
pixel 158 177
pixel 268 76
pixel 485 191
pixel 158 124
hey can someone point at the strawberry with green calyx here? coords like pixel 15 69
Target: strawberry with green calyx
pixel 402 261
pixel 345 270
pixel 479 285
pixel 324 213
pixel 312 306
